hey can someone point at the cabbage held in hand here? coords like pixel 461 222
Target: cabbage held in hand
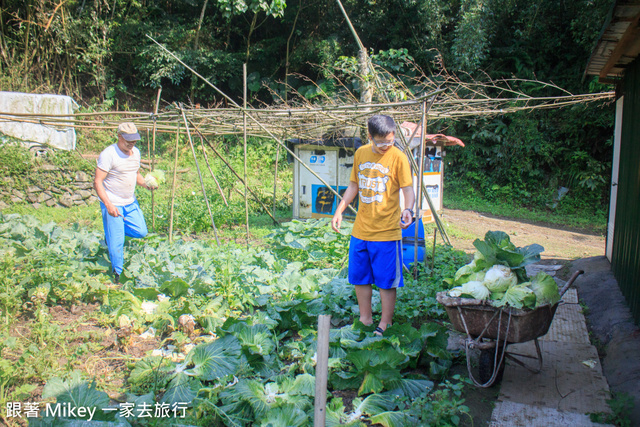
pixel 499 278
pixel 545 289
pixel 154 178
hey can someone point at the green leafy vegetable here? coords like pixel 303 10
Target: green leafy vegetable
pixel 499 278
pixel 518 296
pixel 545 288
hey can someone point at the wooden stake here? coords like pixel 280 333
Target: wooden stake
pixel 244 136
pixel 322 370
pixel 173 185
pixel 204 192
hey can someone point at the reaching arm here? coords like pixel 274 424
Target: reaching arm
pixel 140 181
pixel 98 184
pixel 349 194
pixel 409 201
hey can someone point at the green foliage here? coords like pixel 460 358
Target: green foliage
pixel 312 243
pixel 417 301
pixel 443 407
pixel 15 159
pixel 258 363
pixel 621 405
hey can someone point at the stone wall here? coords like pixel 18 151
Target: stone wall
pixel 76 189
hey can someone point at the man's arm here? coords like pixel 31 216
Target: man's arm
pixel 349 194
pixel 98 184
pixel 140 181
pixel 409 201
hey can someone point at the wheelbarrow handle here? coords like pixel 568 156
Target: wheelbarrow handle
pixel 570 282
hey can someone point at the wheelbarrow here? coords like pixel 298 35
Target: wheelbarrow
pixel 491 329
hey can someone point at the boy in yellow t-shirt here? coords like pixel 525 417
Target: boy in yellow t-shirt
pixel 380 171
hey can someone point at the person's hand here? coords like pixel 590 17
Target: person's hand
pixel 406 219
pixel 336 221
pixel 113 211
pixel 150 182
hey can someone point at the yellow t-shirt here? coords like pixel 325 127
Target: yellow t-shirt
pixel 379 178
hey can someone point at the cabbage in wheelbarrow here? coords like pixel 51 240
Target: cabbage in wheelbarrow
pixel 497 274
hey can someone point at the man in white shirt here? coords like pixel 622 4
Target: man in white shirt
pixel 117 174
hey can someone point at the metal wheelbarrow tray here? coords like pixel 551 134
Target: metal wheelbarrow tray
pixel 493 328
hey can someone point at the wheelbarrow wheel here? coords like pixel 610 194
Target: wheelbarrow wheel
pixel 486 365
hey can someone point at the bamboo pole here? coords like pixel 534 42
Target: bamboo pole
pixel 244 131
pixel 419 186
pixel 275 176
pixel 206 160
pixel 153 160
pixel 204 191
pixel 322 370
pixel 436 217
pixel 433 253
pixel 173 185
pixel 233 170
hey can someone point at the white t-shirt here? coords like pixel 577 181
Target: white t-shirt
pixel 122 171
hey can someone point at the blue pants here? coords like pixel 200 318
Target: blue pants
pixel 378 263
pixel 131 223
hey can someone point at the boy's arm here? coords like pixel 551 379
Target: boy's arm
pixel 406 217
pixel 349 194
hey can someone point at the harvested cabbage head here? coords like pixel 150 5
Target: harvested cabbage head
pixel 151 182
pixel 499 278
pixel 518 296
pixel 154 178
pixel 473 289
pixel 476 289
pixel 545 289
pixel 455 292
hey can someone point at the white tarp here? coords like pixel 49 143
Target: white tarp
pixel 62 137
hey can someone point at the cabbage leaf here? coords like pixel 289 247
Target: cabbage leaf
pixel 545 288
pixel 518 296
pixel 497 248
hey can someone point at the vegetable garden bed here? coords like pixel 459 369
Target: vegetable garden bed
pixel 210 336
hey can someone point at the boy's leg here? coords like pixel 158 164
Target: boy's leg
pixel 114 235
pixel 386 257
pixel 134 225
pixel 388 301
pixel 363 293
pixel 361 275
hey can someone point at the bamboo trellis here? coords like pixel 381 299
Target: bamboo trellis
pixel 450 98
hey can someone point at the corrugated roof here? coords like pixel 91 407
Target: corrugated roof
pixel 619 42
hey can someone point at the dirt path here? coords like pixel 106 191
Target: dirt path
pixel 559 243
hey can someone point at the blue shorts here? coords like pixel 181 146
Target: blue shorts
pixel 378 263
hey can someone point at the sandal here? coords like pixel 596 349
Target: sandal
pixel 378 331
